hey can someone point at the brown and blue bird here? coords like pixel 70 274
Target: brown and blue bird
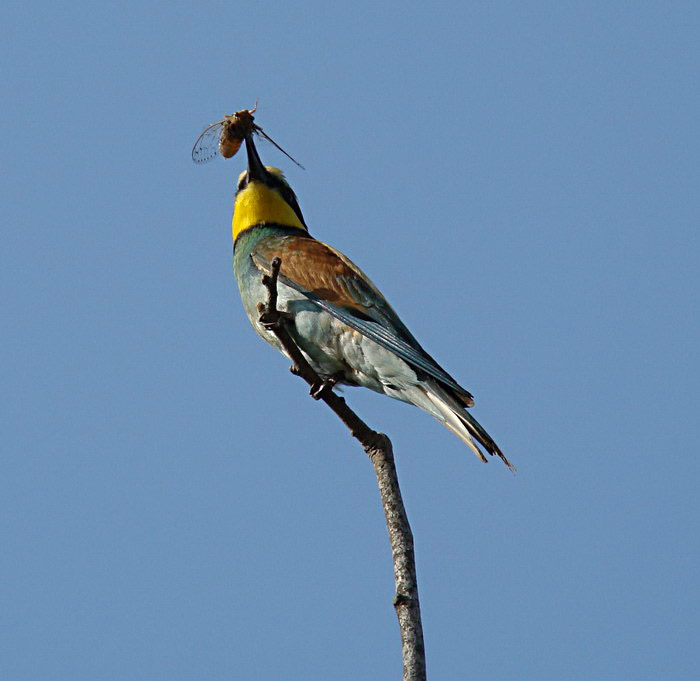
pixel 344 326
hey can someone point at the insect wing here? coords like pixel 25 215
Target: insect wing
pixel 207 145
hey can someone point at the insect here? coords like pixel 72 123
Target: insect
pixel 226 136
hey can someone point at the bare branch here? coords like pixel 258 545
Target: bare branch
pixel 378 448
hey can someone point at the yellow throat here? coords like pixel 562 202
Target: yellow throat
pixel 258 204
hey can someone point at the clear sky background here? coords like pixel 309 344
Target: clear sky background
pixel 521 179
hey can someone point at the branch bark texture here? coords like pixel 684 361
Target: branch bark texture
pixel 379 449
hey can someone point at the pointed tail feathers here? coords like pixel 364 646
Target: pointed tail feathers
pixel 462 423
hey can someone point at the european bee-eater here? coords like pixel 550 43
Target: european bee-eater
pixel 346 329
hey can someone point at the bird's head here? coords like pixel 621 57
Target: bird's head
pixel 264 197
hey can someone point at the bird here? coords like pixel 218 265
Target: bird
pixel 343 325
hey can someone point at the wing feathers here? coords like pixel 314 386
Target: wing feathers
pixel 336 285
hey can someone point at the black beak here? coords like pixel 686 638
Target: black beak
pixel 256 169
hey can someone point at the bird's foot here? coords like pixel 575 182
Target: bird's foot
pixel 273 319
pixel 329 383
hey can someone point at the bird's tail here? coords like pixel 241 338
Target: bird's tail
pixel 461 422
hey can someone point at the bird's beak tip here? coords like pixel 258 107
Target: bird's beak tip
pixel 256 169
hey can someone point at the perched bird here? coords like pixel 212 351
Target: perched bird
pixel 346 329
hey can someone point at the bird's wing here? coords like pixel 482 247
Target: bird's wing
pixel 334 283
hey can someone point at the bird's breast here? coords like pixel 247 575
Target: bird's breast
pixel 330 346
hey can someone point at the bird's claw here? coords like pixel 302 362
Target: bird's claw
pixel 273 319
pixel 329 383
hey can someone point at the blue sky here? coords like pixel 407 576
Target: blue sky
pixel 520 180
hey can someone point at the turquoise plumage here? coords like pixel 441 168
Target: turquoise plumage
pixel 344 326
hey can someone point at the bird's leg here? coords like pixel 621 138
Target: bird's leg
pixel 329 383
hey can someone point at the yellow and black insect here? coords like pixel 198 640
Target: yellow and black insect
pixel 226 136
